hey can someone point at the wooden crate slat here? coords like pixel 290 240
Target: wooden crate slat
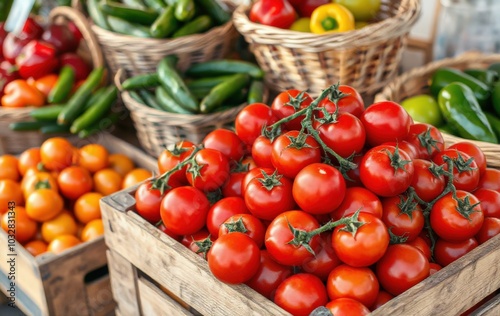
pixel 490 308
pixel 99 295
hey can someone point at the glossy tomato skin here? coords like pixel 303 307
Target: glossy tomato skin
pixel 319 188
pixel 366 247
pixel 447 221
pixel 489 229
pixel 434 267
pixel 401 267
pixel 490 202
pixel 406 224
pixel 273 13
pixel 347 307
pixel 351 103
pixel 466 180
pixel 490 180
pixel 353 174
pixel 380 177
pixel 169 158
pixel 473 151
pixel 445 252
pixel 190 241
pixel 421 245
pixel 184 210
pixel 214 170
pixel 356 198
pixel 300 294
pixel 253 227
pixel 266 203
pixel 250 120
pixel 385 121
pixel 278 235
pixel 148 202
pixel 257 172
pixel 222 210
pixel 325 259
pixel 234 258
pixel 426 138
pixel 289 160
pixel 227 142
pixel 261 152
pixel 427 185
pixel 382 298
pixel 360 284
pixel 269 275
pixel 287 103
pixel 408 148
pixel 233 185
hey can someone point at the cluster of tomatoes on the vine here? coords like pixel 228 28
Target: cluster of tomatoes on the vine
pixel 323 202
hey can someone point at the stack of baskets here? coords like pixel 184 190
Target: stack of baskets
pixel 16 142
pixel 417 81
pixel 366 59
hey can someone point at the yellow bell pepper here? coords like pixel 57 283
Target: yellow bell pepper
pixel 301 25
pixel 331 17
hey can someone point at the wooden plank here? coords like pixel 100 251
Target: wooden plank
pixel 174 266
pixel 123 277
pixel 453 289
pixel 155 302
pixel 490 308
pixel 99 296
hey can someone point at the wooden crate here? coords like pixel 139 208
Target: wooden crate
pixel 152 274
pixel 66 284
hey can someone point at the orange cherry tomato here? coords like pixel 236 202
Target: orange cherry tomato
pixel 93 157
pixel 87 207
pixel 107 181
pixel 62 224
pixel 121 163
pixel 46 83
pixel 30 158
pixel 44 204
pixel 74 182
pixel 63 242
pixel 92 230
pixel 136 176
pixel 36 247
pixel 18 221
pixel 10 191
pixel 8 168
pixel 56 153
pixel 39 180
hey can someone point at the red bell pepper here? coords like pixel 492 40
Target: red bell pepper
pixel 8 73
pixel 61 38
pixel 13 44
pixel 81 68
pixel 306 7
pixel 3 35
pixel 277 13
pixel 76 32
pixel 37 59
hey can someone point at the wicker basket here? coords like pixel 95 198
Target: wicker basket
pixel 417 80
pixel 156 129
pixel 365 59
pixel 15 142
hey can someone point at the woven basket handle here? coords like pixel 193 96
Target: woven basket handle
pixel 117 79
pixel 81 22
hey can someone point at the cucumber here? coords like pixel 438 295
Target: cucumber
pixel 168 103
pixel 223 91
pixel 213 8
pixel 184 10
pixel 150 100
pixel 206 83
pixel 225 67
pixel 256 92
pixel 198 25
pixel 165 24
pixel 124 27
pixel 133 15
pixel 47 113
pixel 141 81
pixel 172 82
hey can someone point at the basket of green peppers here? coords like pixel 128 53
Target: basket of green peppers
pixel 460 96
pixel 170 105
pixel 136 34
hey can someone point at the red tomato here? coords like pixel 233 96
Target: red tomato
pixel 347 307
pixel 233 185
pixel 353 174
pixel 463 179
pixel 169 158
pixel 473 151
pixel 261 152
pixel 277 13
pixel 351 102
pixel 252 174
pixel 426 183
pixel 358 198
pixel 293 151
pixel 324 260
pixel 164 229
pixel 210 172
pixel 365 247
pixel 433 268
pixel 456 220
pixel 404 218
pixel 426 138
pixel 489 229
pixel 279 235
pixel 234 258
pixel 244 223
pixel 148 202
pixel 360 284
pixel 408 148
pixel 401 267
pixel 184 210
pixel 385 121
pixel 222 210
pixel 319 188
pixel 490 202
pixel 191 241
pixel 267 196
pixel 251 119
pixel 345 135
pixel 269 275
pixel 306 8
pixel 445 252
pixel 227 142
pixel 300 294
pixel 386 170
pixel 490 180
pixel 421 245
pixel 382 298
pixel 287 103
